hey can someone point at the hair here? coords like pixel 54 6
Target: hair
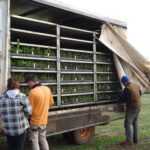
pixel 12 84
pixel 31 77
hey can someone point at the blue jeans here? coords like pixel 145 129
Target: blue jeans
pixel 16 142
pixel 131 125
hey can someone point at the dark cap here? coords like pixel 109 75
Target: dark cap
pixel 31 77
pixel 125 79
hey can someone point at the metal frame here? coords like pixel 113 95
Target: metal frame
pixel 60 60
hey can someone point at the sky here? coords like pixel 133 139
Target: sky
pixel 134 12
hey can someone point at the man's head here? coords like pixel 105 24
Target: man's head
pixel 125 80
pixel 31 80
pixel 12 84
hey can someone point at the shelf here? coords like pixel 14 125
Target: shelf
pixel 107 101
pixel 101 53
pixel 33 71
pixel 76 94
pixel 77 61
pixel 41 34
pixel 31 57
pixel 25 84
pixel 54 95
pixel 76 33
pixel 105 72
pixel 30 21
pixel 76 104
pixel 76 72
pixel 32 24
pixel 78 51
pixel 26 36
pixel 103 63
pixel 25 19
pixel 76 40
pixel 32 32
pixel 76 29
pixel 112 91
pixel 89 103
pixel 106 82
pixel 76 83
pixel 33 45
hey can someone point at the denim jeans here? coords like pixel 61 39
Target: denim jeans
pixel 16 142
pixel 37 136
pixel 131 125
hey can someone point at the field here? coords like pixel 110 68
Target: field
pixel 109 136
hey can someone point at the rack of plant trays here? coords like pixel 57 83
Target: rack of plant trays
pixel 76 68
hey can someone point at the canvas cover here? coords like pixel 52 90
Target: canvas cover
pixel 127 59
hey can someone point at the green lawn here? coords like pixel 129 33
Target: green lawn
pixel 107 137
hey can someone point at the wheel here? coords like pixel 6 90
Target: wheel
pixel 68 136
pixel 83 136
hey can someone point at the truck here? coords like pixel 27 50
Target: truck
pixel 59 45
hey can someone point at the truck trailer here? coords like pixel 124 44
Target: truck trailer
pixel 60 46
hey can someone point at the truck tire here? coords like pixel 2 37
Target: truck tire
pixel 68 136
pixel 83 136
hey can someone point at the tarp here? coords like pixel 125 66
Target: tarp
pixel 127 59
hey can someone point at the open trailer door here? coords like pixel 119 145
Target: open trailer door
pixel 127 59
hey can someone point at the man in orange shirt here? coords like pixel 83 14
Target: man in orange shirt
pixel 40 99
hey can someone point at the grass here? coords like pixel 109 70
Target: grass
pixel 107 137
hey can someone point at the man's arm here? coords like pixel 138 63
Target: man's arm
pixel 124 96
pixel 32 100
pixel 27 107
pixel 51 100
pixel 140 92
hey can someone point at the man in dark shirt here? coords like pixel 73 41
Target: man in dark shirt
pixel 131 96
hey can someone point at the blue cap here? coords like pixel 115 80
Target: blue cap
pixel 125 79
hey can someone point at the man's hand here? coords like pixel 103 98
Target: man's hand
pixel 2 132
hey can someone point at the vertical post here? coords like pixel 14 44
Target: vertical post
pixel 95 67
pixel 4 43
pixel 1 22
pixel 58 68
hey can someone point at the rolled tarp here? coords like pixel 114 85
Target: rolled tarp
pixel 127 59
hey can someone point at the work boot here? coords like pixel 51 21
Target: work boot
pixel 136 142
pixel 126 143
